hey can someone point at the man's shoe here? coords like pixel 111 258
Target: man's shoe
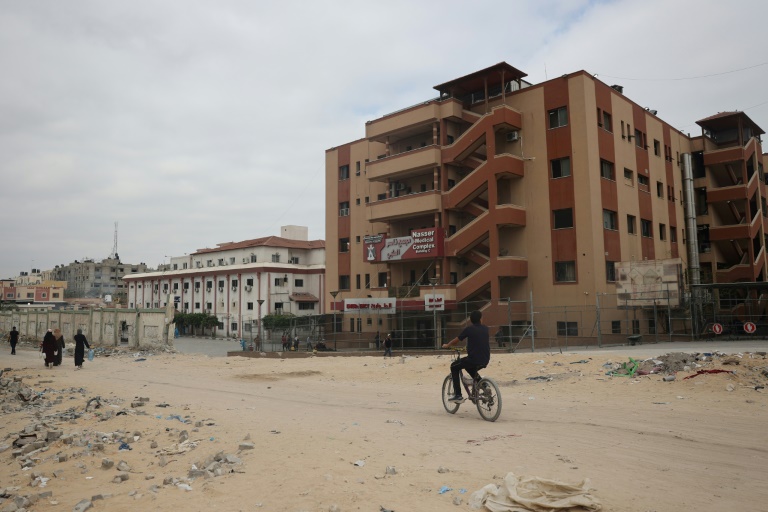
pixel 456 399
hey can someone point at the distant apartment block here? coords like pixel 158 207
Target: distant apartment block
pixel 96 279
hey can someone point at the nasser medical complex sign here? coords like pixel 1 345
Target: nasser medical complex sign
pixel 421 244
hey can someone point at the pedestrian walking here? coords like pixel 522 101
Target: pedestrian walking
pixel 377 339
pixel 60 346
pixel 80 344
pixel 388 345
pixel 49 348
pixel 13 339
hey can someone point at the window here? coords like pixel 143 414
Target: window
pixel 606 170
pixel 615 326
pixel 659 189
pixel 382 278
pixel 561 167
pixel 607 122
pixel 234 283
pixel 298 283
pixel 367 281
pixel 344 209
pixel 249 282
pixel 306 306
pixel 343 244
pixel 662 231
pixel 638 138
pixel 279 307
pixel 567 328
pixel 249 306
pixel 276 258
pixel 643 182
pixel 673 234
pixel 234 326
pixel 343 172
pixel 610 271
pixel 357 281
pixel 344 282
pixel 357 168
pixel 357 202
pixel 629 175
pixel 278 281
pixel 232 260
pixel 631 225
pixel 609 220
pixel 565 271
pixel 652 326
pixel 656 148
pixel 563 218
pixel 221 283
pixel 208 306
pixel 558 117
pixel 646 228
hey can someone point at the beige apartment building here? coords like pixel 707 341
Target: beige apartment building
pixel 498 191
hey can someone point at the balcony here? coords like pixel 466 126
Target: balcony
pixel 405 120
pixel 404 164
pixel 404 206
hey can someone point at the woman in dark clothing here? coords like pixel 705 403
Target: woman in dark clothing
pixel 80 344
pixel 60 346
pixel 49 348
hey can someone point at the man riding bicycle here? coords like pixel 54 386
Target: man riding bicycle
pixel 478 353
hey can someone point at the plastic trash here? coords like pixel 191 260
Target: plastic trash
pixel 444 489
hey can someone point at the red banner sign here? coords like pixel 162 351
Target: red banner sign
pixel 422 244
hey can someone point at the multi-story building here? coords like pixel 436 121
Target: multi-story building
pixel 239 282
pixel 96 279
pixel 33 289
pixel 498 188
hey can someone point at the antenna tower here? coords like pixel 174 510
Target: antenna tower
pixel 114 255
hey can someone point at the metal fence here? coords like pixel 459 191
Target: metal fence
pixel 525 325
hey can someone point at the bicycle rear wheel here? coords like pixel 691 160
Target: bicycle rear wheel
pixel 448 392
pixel 488 399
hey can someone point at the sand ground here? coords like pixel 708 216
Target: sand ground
pixel 644 444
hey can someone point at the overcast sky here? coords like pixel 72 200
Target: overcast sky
pixel 195 122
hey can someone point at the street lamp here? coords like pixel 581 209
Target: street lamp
pixel 333 304
pixel 434 280
pixel 260 301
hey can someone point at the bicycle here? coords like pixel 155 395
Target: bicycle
pixel 484 393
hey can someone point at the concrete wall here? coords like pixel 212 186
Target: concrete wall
pixel 133 328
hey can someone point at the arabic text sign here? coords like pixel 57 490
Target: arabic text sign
pixel 385 305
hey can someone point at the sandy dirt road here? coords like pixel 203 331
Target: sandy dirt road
pixel 644 444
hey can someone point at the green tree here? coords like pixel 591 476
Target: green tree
pixel 277 322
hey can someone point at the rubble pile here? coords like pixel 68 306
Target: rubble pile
pixel 69 438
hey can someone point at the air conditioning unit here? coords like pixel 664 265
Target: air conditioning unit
pixel 208 290
pixel 248 288
pixel 513 136
pixel 234 288
pixel 221 289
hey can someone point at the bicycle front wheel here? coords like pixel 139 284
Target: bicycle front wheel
pixel 448 392
pixel 488 400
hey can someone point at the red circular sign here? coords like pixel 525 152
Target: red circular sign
pixel 717 328
pixel 749 327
